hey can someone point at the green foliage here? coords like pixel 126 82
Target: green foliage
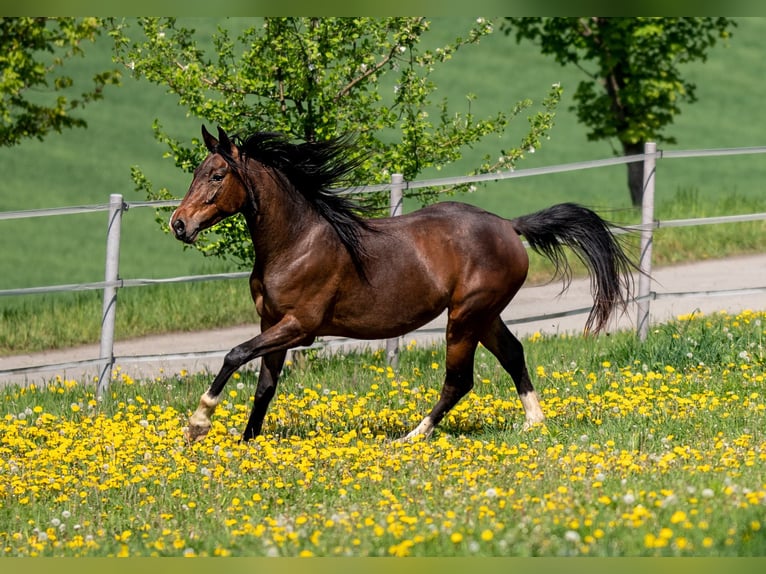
pixel 35 97
pixel 316 78
pixel 634 87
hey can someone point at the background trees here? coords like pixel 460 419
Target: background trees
pixel 634 85
pixel 36 96
pixel 314 78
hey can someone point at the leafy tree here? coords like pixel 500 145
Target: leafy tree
pixel 634 87
pixel 35 96
pixel 315 78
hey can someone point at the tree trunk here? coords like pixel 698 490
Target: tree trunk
pixel 635 173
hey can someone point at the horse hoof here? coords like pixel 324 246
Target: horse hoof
pixel 195 433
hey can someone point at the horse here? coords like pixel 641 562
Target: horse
pixel 322 267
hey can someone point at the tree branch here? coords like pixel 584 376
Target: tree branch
pixel 348 87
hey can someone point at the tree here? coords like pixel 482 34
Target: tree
pixel 315 78
pixel 634 87
pixel 35 97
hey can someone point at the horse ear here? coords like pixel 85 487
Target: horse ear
pixel 225 143
pixel 223 139
pixel 210 142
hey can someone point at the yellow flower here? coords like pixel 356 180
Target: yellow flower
pixel 678 516
pixel 681 543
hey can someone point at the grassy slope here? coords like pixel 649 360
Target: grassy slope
pixel 724 116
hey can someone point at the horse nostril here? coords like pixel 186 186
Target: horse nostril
pixel 179 228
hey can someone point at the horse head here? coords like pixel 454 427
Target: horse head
pixel 216 191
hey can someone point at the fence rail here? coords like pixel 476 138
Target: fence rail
pixel 117 206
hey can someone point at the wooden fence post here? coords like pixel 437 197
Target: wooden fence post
pixel 395 202
pixel 111 276
pixel 647 231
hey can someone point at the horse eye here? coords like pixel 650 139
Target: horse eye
pixel 216 177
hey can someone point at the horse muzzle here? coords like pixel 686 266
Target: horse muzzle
pixel 182 231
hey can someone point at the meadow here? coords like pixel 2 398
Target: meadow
pixel 85 166
pixel 653 449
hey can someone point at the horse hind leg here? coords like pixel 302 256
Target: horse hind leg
pixel 510 352
pixel 457 383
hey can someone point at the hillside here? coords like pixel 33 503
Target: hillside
pixel 85 166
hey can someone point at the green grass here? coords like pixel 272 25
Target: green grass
pixel 85 166
pixel 61 321
pixel 651 449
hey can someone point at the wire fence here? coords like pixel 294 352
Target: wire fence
pixel 117 206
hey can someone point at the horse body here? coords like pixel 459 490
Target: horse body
pixel 402 290
pixel 320 270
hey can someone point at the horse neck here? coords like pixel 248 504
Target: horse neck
pixel 277 218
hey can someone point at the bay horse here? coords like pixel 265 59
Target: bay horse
pixel 322 268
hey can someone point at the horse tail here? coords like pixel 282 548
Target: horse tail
pixel 549 230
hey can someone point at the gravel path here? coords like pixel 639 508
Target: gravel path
pixel 532 301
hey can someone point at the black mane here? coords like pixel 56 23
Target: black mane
pixel 317 170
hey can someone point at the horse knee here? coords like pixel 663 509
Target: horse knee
pixel 236 358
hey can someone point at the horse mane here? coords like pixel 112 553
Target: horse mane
pixel 318 171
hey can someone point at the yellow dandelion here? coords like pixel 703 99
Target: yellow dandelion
pixel 678 516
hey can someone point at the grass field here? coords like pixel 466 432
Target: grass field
pixel 648 450
pixel 653 449
pixel 85 166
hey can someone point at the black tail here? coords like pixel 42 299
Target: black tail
pixel 589 236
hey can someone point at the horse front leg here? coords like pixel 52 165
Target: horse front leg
pixel 286 334
pixel 271 367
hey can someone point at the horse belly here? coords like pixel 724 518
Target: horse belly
pixel 405 301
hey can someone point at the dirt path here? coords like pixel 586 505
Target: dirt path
pixel 532 301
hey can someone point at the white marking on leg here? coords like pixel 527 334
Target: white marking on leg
pixel 532 410
pixel 425 428
pixel 201 417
